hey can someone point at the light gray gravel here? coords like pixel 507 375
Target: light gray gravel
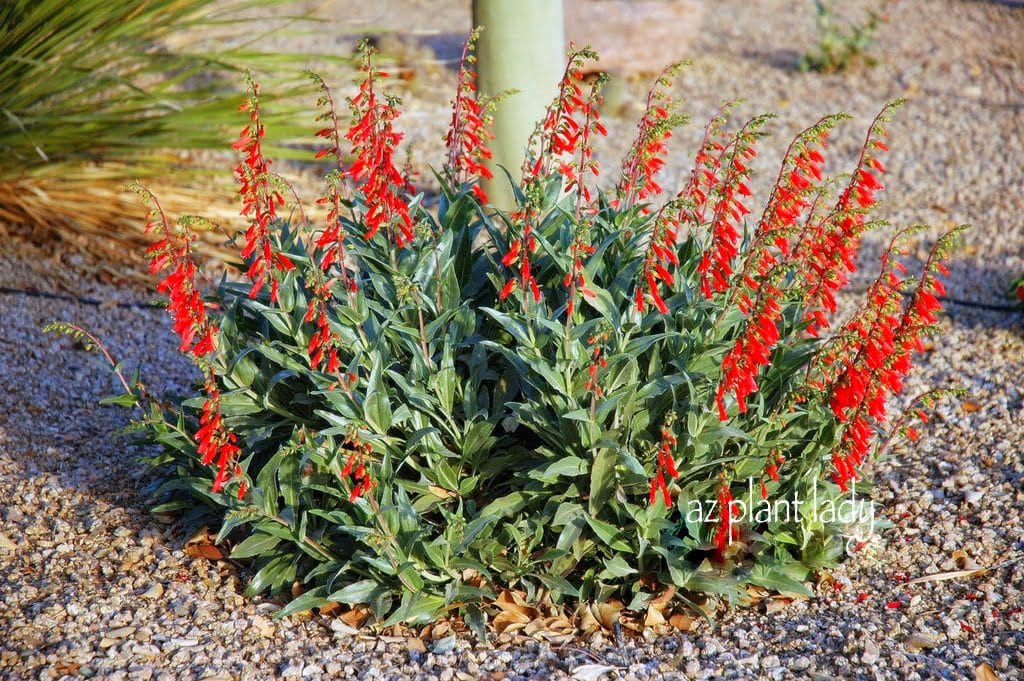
pixel 92 586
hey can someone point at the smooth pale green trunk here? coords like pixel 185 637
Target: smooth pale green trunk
pixel 522 48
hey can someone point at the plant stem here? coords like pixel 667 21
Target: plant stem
pixel 423 328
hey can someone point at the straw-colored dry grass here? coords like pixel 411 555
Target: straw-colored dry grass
pixel 94 94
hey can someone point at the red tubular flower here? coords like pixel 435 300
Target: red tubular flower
pixel 597 363
pixel 260 201
pixel 799 178
pixel 331 242
pixel 172 253
pixel 727 529
pixel 356 466
pixel 661 255
pixel 715 266
pixel 666 466
pixel 752 349
pixel 875 353
pixel 374 141
pixel 646 156
pixel 827 251
pixel 507 290
pixel 468 133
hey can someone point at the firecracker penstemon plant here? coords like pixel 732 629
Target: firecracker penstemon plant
pixel 413 409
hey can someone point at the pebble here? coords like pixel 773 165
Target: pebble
pixel 920 641
pixel 154 592
pixel 184 642
pixel 973 496
pixel 121 632
pixel 291 671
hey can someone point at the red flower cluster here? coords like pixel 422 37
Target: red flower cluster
pixel 468 133
pixel 790 198
pixel 172 253
pixel 752 349
pixel 215 442
pixel 597 362
pixel 688 207
pixel 575 172
pixel 645 157
pixel 259 200
pixel 706 169
pixel 559 133
pixel 799 179
pixel 727 529
pixel 356 466
pixel 876 351
pixel 575 181
pixel 574 280
pixel 715 266
pixel 331 242
pixel 374 141
pixel 324 342
pixel 661 255
pixel 518 255
pixel 828 251
pixel 772 471
pixel 666 466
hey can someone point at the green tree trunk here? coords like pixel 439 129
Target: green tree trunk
pixel 522 48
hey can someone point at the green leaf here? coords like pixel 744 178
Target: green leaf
pixel 123 400
pixel 617 567
pixel 559 586
pixel 602 478
pixel 476 620
pixel 255 545
pixel 608 534
pixel 473 530
pixel 358 592
pixel 314 598
pixel 570 466
pixel 277 572
pixel 506 505
pixel 517 329
pixel 444 380
pixel 776 581
pixel 417 609
pixel 377 407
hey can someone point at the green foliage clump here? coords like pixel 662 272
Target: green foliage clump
pixel 413 407
pixel 841 44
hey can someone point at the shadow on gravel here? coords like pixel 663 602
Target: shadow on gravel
pixel 986 305
pixel 783 59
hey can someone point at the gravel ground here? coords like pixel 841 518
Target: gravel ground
pixel 93 586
